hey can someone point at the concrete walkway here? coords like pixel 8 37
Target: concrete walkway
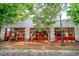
pixel 31 52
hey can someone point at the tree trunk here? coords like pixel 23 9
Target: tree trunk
pixel 0 34
pixel 0 31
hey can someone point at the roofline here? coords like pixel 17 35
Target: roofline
pixel 64 20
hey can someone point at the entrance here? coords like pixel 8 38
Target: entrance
pixel 39 36
pixel 68 33
pixel 14 34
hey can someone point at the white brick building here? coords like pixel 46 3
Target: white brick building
pixel 24 28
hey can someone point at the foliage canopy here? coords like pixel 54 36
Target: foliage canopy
pixel 73 12
pixel 11 12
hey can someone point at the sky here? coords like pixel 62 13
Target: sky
pixel 64 16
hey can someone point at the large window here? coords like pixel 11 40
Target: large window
pixel 67 31
pixel 71 31
pixel 57 32
pixel 18 33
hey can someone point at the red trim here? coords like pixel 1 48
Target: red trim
pixel 20 38
pixel 65 38
pixel 5 34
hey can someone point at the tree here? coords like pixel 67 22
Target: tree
pixel 73 12
pixel 45 14
pixel 10 13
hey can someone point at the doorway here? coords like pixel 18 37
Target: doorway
pixel 36 35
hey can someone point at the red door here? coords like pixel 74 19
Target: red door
pixel 38 36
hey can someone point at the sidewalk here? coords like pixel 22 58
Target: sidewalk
pixel 31 52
